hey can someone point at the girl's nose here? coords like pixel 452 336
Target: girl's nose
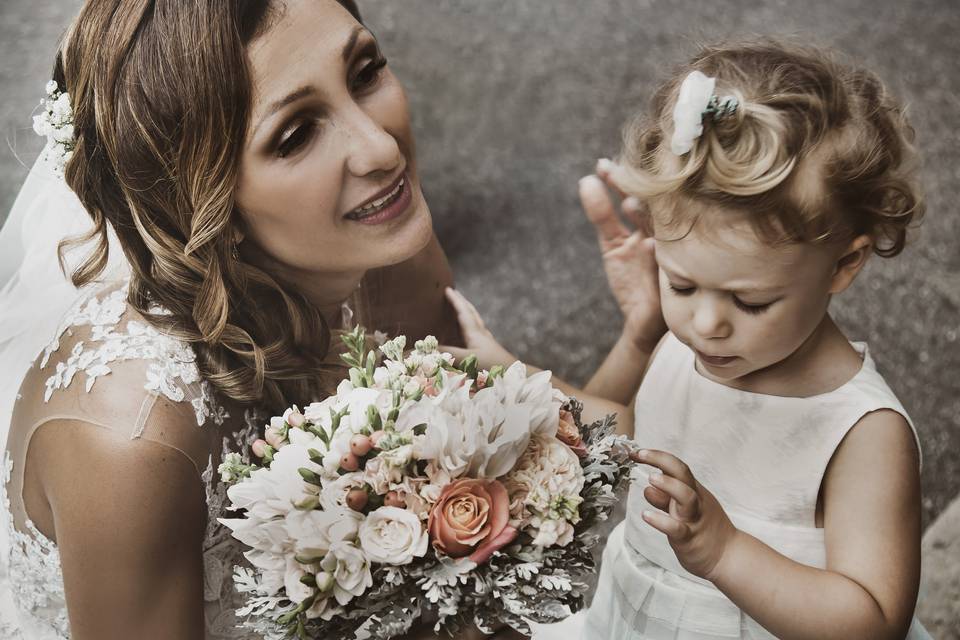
pixel 709 320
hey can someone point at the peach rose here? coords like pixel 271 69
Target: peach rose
pixel 471 518
pixel 568 434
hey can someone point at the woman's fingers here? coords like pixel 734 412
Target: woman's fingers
pixel 685 498
pixel 639 216
pixel 604 170
pixel 456 352
pixel 600 211
pixel 467 314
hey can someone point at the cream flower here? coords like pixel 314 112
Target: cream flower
pixel 350 569
pixel 393 536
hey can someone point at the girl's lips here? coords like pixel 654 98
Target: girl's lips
pixel 715 361
pixel 394 207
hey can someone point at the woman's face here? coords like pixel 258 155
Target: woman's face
pixel 328 181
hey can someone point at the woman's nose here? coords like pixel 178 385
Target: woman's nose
pixel 372 148
pixel 709 320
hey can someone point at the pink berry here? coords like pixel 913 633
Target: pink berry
pixel 357 499
pixel 295 419
pixel 376 436
pixel 349 462
pixel 259 448
pixel 360 445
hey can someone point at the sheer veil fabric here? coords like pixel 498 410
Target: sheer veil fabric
pixel 34 292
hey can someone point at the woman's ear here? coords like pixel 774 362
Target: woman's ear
pixel 850 262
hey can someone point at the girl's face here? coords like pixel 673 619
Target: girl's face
pixel 328 182
pixel 743 306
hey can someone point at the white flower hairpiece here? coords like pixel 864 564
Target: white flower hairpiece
pixel 55 122
pixel 695 101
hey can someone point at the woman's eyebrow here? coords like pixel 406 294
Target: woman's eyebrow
pixel 348 50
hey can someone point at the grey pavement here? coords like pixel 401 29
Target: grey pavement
pixel 513 102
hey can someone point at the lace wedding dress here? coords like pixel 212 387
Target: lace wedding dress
pixel 108 367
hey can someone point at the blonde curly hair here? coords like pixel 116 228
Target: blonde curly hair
pixel 161 96
pixel 816 151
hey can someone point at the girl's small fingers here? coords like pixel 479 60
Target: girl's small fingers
pixel 666 462
pixel 656 497
pixel 674 529
pixel 687 500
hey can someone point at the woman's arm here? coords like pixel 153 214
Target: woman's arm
pixel 871 498
pixel 130 519
pixel 408 299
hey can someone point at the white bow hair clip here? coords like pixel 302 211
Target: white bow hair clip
pixel 695 101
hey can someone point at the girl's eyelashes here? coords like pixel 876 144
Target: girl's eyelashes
pixel 740 304
pixel 750 308
pixel 298 136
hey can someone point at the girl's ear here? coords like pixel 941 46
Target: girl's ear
pixel 850 262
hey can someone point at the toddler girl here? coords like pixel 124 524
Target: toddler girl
pixel 780 496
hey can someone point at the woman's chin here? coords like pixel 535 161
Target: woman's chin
pixel 405 238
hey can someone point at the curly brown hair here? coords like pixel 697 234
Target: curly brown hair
pixel 816 151
pixel 161 96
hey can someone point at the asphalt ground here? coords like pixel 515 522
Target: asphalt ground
pixel 513 102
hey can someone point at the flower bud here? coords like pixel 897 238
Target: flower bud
pixel 360 445
pixel 357 499
pixel 259 448
pixel 325 581
pixel 349 462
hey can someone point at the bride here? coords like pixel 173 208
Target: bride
pixel 254 163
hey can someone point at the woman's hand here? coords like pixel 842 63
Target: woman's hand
pixel 478 339
pixel 628 258
pixel 696 525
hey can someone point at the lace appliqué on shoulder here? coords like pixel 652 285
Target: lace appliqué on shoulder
pixel 171 363
pixel 35 576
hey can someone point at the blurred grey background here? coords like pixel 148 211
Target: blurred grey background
pixel 514 101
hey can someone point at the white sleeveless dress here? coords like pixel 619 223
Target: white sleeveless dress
pixel 109 368
pixel 762 456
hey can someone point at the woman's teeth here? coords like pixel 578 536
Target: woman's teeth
pixel 371 208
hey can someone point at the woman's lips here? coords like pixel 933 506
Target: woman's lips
pixel 392 205
pixel 715 361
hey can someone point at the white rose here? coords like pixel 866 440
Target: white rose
pixel 350 569
pixel 393 536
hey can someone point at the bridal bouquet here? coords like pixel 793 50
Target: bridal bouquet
pixel 423 489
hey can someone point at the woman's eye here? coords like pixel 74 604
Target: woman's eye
pixel 299 136
pixel 750 308
pixel 682 291
pixel 369 73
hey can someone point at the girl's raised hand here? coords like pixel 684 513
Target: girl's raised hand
pixel 696 525
pixel 477 338
pixel 628 257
